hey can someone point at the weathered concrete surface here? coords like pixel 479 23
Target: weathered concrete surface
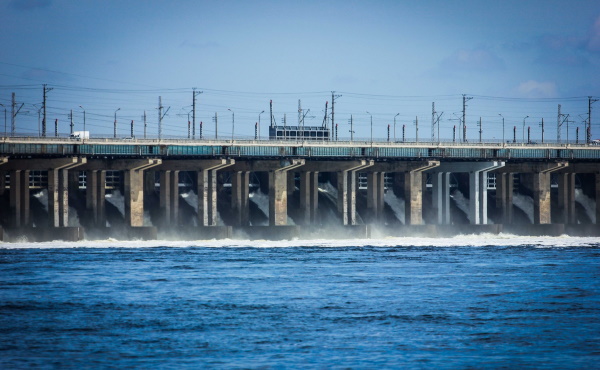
pixel 240 202
pixel 95 196
pixel 278 192
pixel 207 190
pixel 504 196
pixel 134 190
pixel 347 186
pixel 566 198
pixel 536 229
pixel 309 197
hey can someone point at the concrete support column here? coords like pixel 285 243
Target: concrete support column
pixel 207 198
pixel 239 197
pixel 95 195
pixel 566 198
pixel 342 198
pixel 474 197
pixel 16 197
pixel 134 197
pixel 25 210
pixel 413 196
pixel 541 198
pixel 2 183
pixel 372 195
pixel 375 194
pixel 305 198
pixel 174 198
pixel 314 196
pixel 277 197
pixel 165 197
pixel 504 196
pixel 441 196
pixel 309 197
pixel 58 197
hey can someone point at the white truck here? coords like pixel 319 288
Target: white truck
pixel 80 135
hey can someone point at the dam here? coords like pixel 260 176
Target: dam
pixel 71 188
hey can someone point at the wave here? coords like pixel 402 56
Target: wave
pixel 474 240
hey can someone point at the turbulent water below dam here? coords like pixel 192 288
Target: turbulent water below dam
pixel 487 301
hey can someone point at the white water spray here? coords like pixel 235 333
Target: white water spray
pixel 525 203
pixel 262 201
pixel 588 204
pixel 116 199
pixel 461 202
pixel 396 204
pixel 42 197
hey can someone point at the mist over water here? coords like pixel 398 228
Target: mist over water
pixel 484 301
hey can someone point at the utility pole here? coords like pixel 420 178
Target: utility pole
pixel 56 127
pixel 542 124
pixel 464 113
pixel 588 133
pixel 115 126
pixel 71 117
pixel 560 119
pixel 480 129
pixel 13 125
pixel 161 115
pixel 435 121
pixel 46 90
pixel 416 129
pixel 558 124
pixel 145 124
pixel 333 97
pixel 194 95
pixel 215 118
pixel 132 129
pixel 351 129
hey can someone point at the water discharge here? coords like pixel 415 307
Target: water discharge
pixel 396 204
pixel 461 202
pixel 524 203
pixel 588 204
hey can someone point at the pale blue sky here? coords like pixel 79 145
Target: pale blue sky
pixel 385 57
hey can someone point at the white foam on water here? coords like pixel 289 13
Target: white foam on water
pixel 396 204
pixel 479 240
pixel 525 203
pixel 461 202
pixel 117 200
pixel 588 204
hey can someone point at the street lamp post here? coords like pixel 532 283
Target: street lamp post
pixel 395 126
pixel 115 135
pixel 371 127
pixel 232 123
pixel 83 120
pixel 259 123
pixel 500 114
pixel 524 128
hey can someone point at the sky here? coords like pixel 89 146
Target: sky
pixel 392 59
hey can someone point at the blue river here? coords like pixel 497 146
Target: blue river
pixel 465 302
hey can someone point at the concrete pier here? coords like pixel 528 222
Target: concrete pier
pixel 478 172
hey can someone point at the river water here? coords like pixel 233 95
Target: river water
pixel 464 302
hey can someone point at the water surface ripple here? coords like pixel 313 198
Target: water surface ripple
pixel 302 306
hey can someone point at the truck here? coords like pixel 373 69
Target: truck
pixel 80 135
